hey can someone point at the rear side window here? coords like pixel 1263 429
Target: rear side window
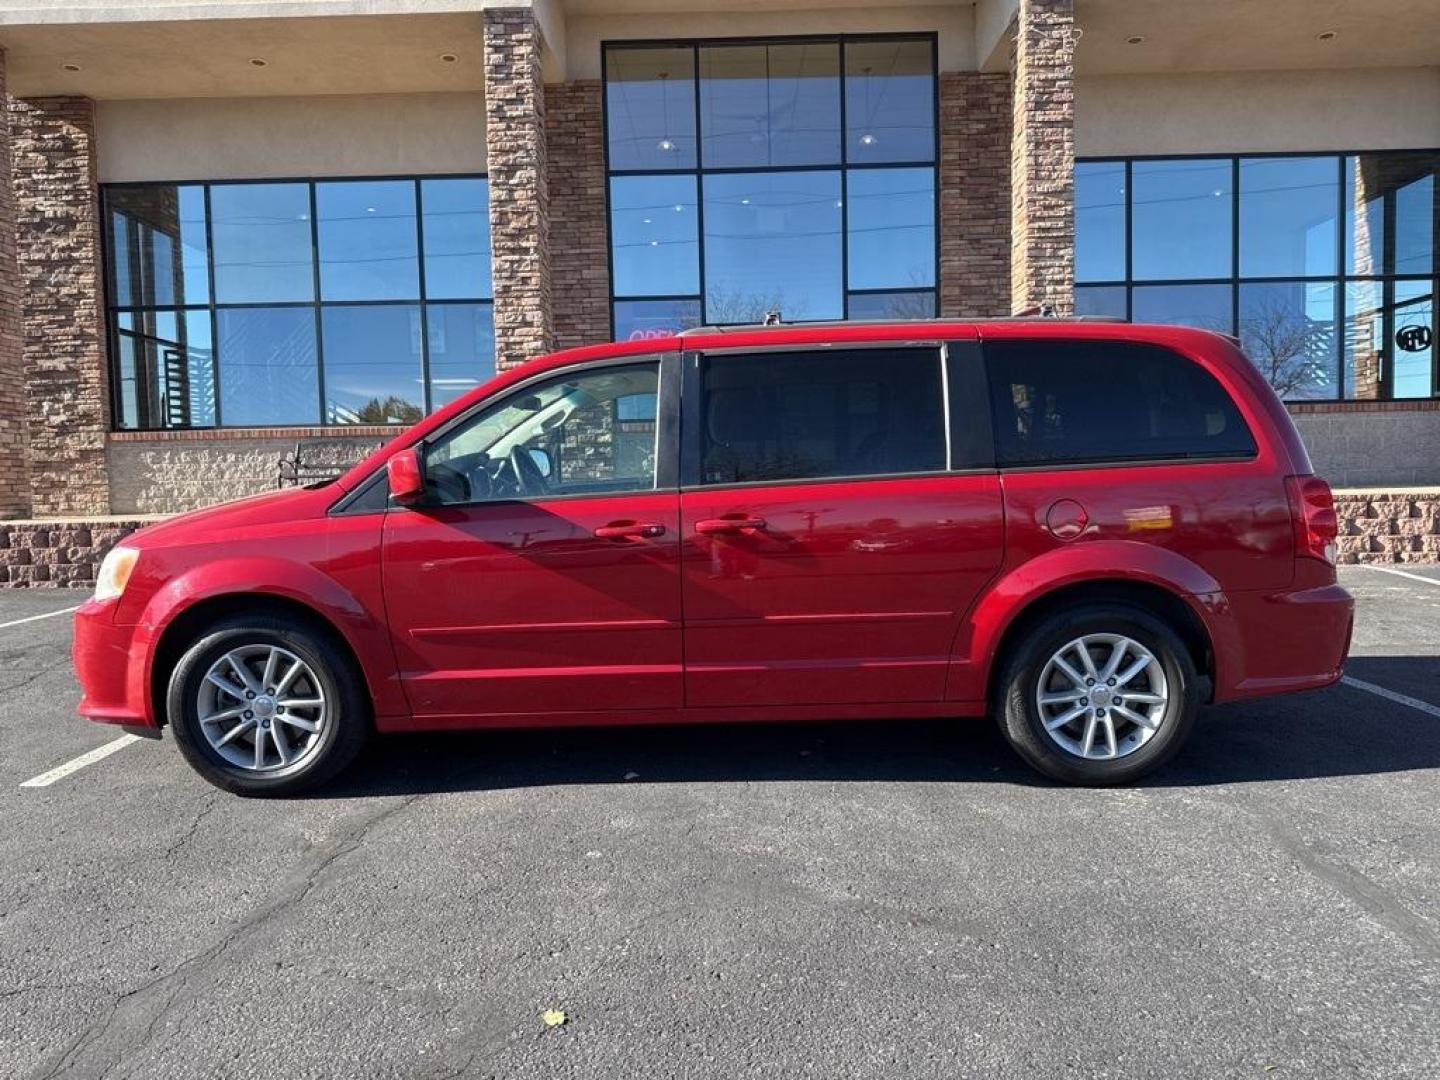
pixel 804 415
pixel 1067 402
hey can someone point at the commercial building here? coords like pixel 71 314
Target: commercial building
pixel 229 226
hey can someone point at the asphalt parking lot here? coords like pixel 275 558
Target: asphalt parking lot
pixel 827 900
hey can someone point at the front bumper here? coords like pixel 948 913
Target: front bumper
pixel 1292 640
pixel 110 664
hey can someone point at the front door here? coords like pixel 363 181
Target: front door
pixel 541 575
pixel 835 528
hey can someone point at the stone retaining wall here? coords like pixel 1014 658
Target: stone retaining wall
pixel 1375 527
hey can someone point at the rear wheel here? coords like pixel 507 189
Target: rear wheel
pixel 1101 694
pixel 267 705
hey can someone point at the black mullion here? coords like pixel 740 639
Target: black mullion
pixel 1129 244
pixel 1235 246
pixel 935 167
pixel 1341 329
pixel 424 314
pixel 315 279
pixel 699 190
pixel 844 182
pixel 210 303
pixel 609 209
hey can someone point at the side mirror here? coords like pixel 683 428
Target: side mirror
pixel 406 478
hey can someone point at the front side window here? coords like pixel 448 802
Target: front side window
pixel 795 176
pixel 1322 264
pixel 296 303
pixel 588 433
pixel 1097 402
pixel 810 415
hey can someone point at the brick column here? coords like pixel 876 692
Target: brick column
pixel 1042 157
pixel 14 475
pixel 67 380
pixel 579 258
pixel 974 194
pixel 519 194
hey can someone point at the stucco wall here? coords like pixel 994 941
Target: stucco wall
pixel 169 476
pixel 1397 448
pixel 339 135
pixel 1355 109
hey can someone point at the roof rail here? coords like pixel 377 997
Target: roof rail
pixel 748 328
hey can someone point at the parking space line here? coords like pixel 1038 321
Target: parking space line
pixel 1391 695
pixel 45 779
pixel 46 615
pixel 1403 573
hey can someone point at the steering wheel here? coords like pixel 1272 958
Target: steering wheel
pixel 528 476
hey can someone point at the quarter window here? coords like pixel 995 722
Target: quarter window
pixel 588 433
pixel 809 415
pixel 1092 402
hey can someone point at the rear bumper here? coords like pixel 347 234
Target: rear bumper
pixel 109 663
pixel 1281 642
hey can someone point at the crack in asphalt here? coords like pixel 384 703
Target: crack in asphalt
pixel 189 833
pixel 139 1011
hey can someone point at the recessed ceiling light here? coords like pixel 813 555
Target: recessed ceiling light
pixel 1325 35
pixel 70 65
pixel 1137 39
pixel 258 61
pixel 448 57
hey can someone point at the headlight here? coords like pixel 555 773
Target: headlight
pixel 115 572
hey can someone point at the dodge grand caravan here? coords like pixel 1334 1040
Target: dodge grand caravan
pixel 1085 529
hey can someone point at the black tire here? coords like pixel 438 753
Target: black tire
pixel 1019 715
pixel 345 731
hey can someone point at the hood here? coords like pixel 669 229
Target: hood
pixel 287 504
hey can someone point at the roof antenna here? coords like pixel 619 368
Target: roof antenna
pixel 772 317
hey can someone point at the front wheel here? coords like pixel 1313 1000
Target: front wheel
pixel 266 705
pixel 1098 695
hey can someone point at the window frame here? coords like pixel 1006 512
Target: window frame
pixel 960 369
pixel 1340 279
pixel 667 436
pixel 112 310
pixel 699 170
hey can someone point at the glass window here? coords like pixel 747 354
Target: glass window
pixel 1157 405
pixel 650 108
pixel 1415 209
pixel 1364 339
pixel 1288 330
pixel 1105 300
pixel 263 243
pixel 456 214
pixel 367 240
pixel 772 242
pixel 1287 216
pixel 890 100
pixel 803 415
pixel 370 355
pixel 770 104
pixel 1414 340
pixel 1180 219
pixel 1205 306
pixel 568 436
pixel 372 364
pixel 268 370
pixel 1390 213
pixel 892 305
pixel 639 320
pixel 654 235
pixel 1099 221
pixel 158 246
pixel 891 225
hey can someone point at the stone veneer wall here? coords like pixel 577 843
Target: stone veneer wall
pixel 169 473
pixel 1389 526
pixel 519 192
pixel 67 379
pixel 975 119
pixel 579 252
pixel 14 467
pixel 1042 156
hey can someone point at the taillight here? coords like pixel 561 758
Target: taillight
pixel 1312 507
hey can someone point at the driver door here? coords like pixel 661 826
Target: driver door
pixel 541 573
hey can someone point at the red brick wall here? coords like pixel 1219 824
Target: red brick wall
pixel 14 473
pixel 67 380
pixel 974 194
pixel 579 255
pixel 1042 259
pixel 519 195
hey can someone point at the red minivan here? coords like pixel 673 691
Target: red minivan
pixel 1086 529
